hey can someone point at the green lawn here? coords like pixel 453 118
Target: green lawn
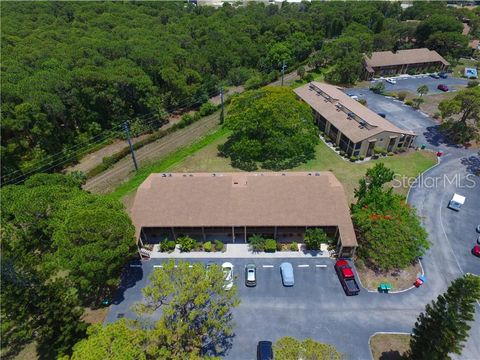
pixel 408 164
pixel 459 69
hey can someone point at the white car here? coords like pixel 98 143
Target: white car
pixel 228 273
pixel 456 202
pixel 391 81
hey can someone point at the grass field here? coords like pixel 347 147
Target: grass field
pixel 409 164
pixel 462 64
pixel 389 346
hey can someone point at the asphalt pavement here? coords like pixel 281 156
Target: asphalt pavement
pixel 411 84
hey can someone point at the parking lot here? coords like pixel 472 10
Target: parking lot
pixel 316 306
pixel 411 84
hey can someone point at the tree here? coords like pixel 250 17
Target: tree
pixel 422 90
pixel 437 23
pixel 93 238
pixel 443 327
pixel 375 178
pixel 314 237
pixel 196 310
pixel 270 127
pixel 450 44
pixel 257 242
pixel 390 232
pixel 417 102
pixel 463 115
pixel 123 340
pixel 288 348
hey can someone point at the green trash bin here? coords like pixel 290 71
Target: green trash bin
pixel 423 146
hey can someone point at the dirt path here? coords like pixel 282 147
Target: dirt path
pixel 123 169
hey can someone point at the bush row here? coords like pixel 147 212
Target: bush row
pixel 188 244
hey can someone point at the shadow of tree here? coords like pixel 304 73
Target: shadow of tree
pixel 221 343
pixel 435 137
pixel 472 164
pixel 130 276
pixel 391 355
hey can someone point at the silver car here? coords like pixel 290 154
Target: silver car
pixel 286 270
pixel 250 275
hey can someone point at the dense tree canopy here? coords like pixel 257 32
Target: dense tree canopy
pixel 462 115
pixel 72 72
pixel 443 328
pixel 270 126
pixel 391 235
pixel 62 250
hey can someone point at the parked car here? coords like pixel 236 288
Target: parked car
pixel 456 202
pixel 442 87
pixel 435 76
pixel 264 350
pixel 286 270
pixel 382 115
pixel 476 250
pixel 346 277
pixel 228 272
pixel 250 275
pixel 443 75
pixel 478 228
pixel 354 97
pixel 391 81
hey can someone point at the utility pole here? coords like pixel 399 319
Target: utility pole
pixel 284 66
pixel 125 127
pixel 222 114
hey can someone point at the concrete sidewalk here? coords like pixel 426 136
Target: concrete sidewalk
pixel 239 251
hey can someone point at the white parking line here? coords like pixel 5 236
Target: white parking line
pixel 135 265
pixel 157 266
pixel 267 266
pixel 190 266
pixel 303 266
pixel 321 266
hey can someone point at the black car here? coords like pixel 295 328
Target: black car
pixel 443 75
pixel 264 350
pixel 382 115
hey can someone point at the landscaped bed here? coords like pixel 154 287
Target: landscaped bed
pixel 399 280
pixel 389 346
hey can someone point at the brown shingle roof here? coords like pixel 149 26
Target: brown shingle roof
pixel 243 199
pixel 403 57
pixel 354 130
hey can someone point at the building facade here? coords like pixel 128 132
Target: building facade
pixel 387 63
pixel 353 127
pixel 231 207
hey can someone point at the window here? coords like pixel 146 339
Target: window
pixel 358 145
pixel 356 152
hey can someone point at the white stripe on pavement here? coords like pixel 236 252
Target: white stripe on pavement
pixel 303 266
pixel 267 266
pixel 157 266
pixel 321 266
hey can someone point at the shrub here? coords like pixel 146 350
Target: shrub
pixel 219 245
pixel 314 237
pixel 207 109
pixel 437 115
pixel 363 102
pixel 257 243
pixel 171 245
pixel 472 83
pixel 327 139
pixel 378 87
pixel 270 245
pixel 362 157
pixel 279 246
pixel 308 77
pixel 379 151
pixel 402 95
pixel 409 102
pixel 186 243
pixel 207 246
pixel 353 158
pixel 390 153
pixel 294 246
pixel 164 245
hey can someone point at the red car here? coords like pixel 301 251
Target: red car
pixel 442 87
pixel 476 250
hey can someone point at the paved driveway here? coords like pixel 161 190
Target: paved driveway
pixel 411 84
pixel 314 307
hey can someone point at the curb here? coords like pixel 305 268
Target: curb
pixel 382 332
pixel 392 292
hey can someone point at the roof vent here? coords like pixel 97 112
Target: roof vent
pixel 309 174
pixel 317 174
pixel 283 174
pixel 184 175
pixel 214 174
pixel 169 175
pixel 164 175
pixel 350 114
pixel 191 175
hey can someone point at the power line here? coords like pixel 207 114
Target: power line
pixel 185 102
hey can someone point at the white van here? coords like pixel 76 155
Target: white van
pixel 456 202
